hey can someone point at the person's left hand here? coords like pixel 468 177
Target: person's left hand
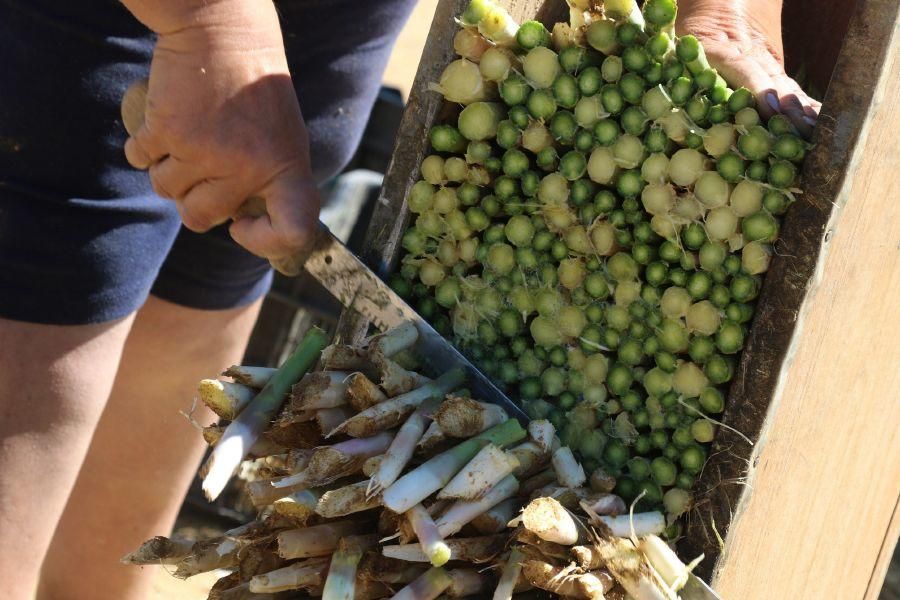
pixel 742 41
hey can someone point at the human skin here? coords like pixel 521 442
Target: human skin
pixel 53 384
pixel 223 124
pixel 144 453
pixel 742 40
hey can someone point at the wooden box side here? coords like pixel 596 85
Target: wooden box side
pixel 726 483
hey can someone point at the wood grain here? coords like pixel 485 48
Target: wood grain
pixel 817 519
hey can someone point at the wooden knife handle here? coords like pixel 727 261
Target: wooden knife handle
pixel 134 103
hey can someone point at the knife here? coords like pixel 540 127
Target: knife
pixel 354 284
pixel 359 289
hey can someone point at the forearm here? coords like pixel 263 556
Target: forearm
pixel 167 16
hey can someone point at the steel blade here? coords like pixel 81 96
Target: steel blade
pixel 359 289
pixel 696 589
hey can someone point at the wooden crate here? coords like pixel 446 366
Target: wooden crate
pixel 810 509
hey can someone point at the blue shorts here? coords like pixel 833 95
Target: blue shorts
pixel 83 239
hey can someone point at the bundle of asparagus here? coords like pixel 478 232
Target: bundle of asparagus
pixel 373 481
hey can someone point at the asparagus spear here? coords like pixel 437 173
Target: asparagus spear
pixel 243 431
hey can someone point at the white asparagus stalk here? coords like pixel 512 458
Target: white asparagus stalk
pixel 474 550
pixel 432 438
pixel 370 467
pixel 529 456
pixel 587 557
pixel 224 398
pixel 547 550
pixel 550 521
pixel 578 586
pixel 627 565
pixel 464 511
pixel 376 567
pixel 301 434
pixel 324 389
pixel 512 568
pixel 262 492
pixel 240 592
pixel 289 462
pixel 638 524
pixel 438 507
pixel 390 413
pixel 538 481
pixel 362 393
pixel 340 357
pixel 480 474
pixel 569 472
pixel 209 555
pixel 430 539
pixel 496 519
pixel 601 481
pixel 341 581
pixel 290 416
pixel 603 504
pixel 664 560
pixel 299 506
pixel 395 380
pixel 509 577
pixel 346 500
pixel 466 582
pixel 332 462
pixel 434 474
pixel 568 497
pixel 402 447
pixel 304 574
pixel 159 551
pixel 298 459
pixel 319 540
pixel 263 446
pixel 241 433
pixel 394 340
pixel 367 589
pixel 463 417
pixel 542 432
pixel 428 586
pixel 255 377
pixel 329 418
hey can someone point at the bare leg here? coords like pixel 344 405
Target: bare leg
pixel 54 382
pixel 144 453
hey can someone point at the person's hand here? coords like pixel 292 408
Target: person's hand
pixel 222 124
pixel 742 40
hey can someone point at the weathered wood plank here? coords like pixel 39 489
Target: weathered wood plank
pixel 723 489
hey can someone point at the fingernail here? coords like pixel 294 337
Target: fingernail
pixel 772 101
pixel 809 121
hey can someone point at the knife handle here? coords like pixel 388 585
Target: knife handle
pixel 134 103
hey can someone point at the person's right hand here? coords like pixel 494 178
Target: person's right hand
pixel 223 124
pixel 742 41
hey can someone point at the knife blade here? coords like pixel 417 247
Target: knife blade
pixel 697 589
pixel 358 288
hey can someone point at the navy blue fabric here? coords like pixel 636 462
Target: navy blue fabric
pixel 83 239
